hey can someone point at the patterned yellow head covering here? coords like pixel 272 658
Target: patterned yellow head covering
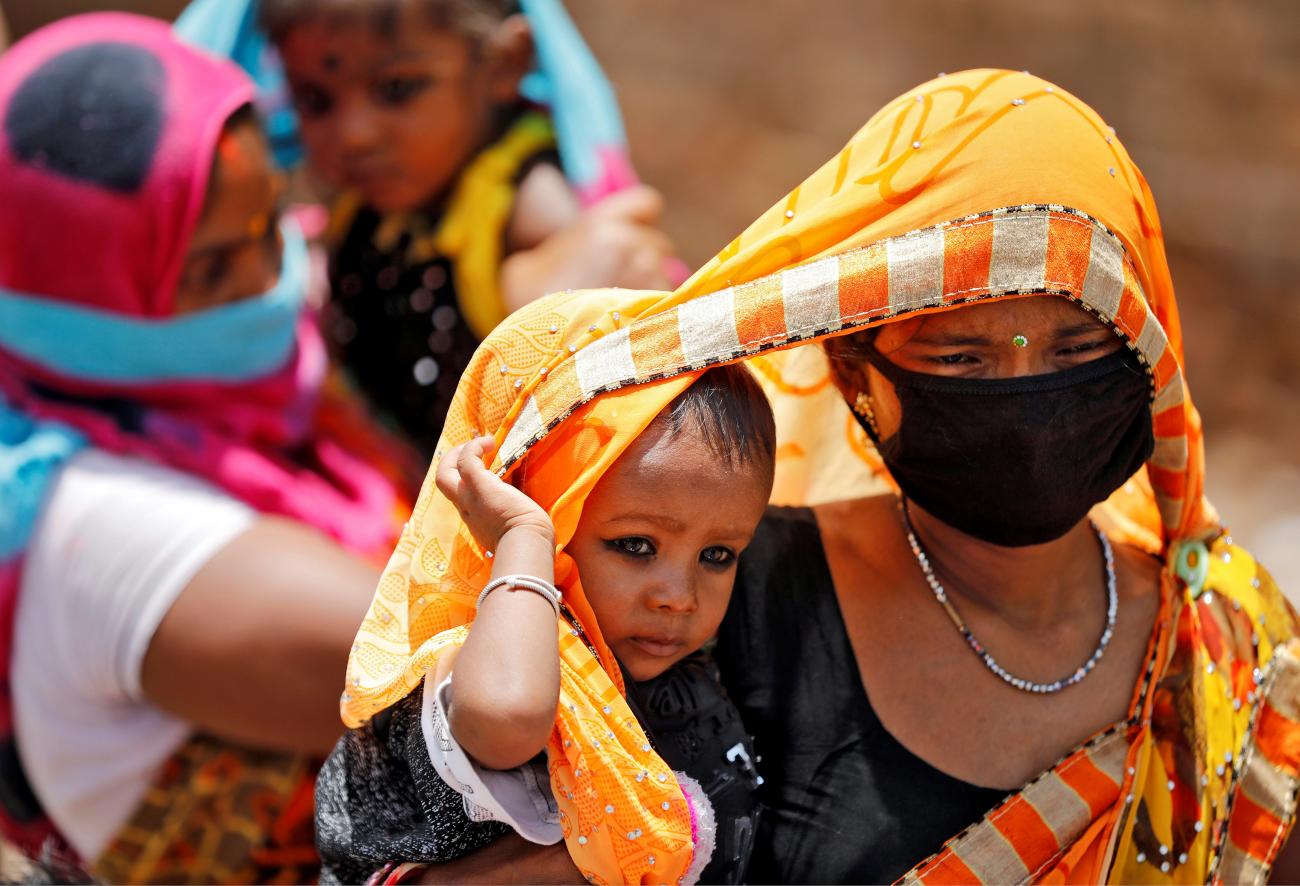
pixel 981 185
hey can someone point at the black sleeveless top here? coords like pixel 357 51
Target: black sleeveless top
pixel 843 801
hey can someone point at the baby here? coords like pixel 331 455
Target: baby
pixel 453 210
pixel 656 550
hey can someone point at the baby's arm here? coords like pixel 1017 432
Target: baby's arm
pixel 506 677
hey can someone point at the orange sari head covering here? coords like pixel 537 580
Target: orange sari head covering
pixel 981 185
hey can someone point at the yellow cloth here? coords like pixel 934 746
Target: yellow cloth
pixel 981 185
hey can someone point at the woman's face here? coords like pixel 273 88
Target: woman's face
pixel 1003 339
pixel 235 251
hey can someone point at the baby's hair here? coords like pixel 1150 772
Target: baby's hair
pixel 727 406
pixel 472 17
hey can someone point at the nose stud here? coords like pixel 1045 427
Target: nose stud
pixel 1020 341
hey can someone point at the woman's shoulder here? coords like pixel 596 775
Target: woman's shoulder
pixel 104 495
pixel 100 471
pixel 1235 585
pixel 118 538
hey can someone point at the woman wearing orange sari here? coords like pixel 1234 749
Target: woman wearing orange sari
pixel 1038 656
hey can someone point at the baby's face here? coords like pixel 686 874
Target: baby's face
pixel 657 545
pixel 393 115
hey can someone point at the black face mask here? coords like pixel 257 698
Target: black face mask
pixel 1017 461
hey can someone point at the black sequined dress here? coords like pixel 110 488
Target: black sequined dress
pixel 396 327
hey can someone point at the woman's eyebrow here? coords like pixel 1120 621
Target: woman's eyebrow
pixel 952 339
pixel 1076 329
pixel 226 244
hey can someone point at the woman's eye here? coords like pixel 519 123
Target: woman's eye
pixel 633 546
pixel 309 101
pixel 399 90
pixel 216 271
pixel 952 359
pixel 717 556
pixel 1083 347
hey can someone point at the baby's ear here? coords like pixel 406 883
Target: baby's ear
pixel 510 54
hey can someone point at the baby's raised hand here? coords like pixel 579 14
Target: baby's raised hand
pixel 489 506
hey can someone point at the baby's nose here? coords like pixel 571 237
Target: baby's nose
pixel 358 128
pixel 676 595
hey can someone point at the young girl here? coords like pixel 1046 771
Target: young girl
pixel 656 548
pixel 453 209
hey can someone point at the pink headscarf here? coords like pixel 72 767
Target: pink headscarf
pixel 97 211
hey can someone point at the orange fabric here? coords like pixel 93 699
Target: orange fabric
pixel 937 179
pixel 1026 830
pixel 1278 739
pixel 1252 824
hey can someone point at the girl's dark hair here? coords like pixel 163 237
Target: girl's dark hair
pixel 727 406
pixel 473 17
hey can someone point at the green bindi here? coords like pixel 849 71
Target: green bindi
pixel 1020 341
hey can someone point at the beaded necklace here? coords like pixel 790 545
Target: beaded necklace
pixel 1024 685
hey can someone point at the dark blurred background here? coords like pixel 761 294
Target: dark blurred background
pixel 729 104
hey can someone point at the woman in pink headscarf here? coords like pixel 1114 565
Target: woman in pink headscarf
pixel 184 555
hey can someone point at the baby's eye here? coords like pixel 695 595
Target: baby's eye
pixel 717 556
pixel 633 546
pixel 400 90
pixel 311 101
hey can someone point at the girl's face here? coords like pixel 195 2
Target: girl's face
pixel 657 545
pixel 235 251
pixel 396 113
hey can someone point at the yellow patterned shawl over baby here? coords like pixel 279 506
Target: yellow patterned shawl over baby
pixel 981 185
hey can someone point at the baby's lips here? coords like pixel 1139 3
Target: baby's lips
pixel 659 646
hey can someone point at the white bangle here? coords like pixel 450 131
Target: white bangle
pixel 524 583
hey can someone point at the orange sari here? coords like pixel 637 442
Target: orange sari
pixel 981 185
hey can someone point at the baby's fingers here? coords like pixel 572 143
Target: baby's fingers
pixel 448 475
pixel 470 464
pixel 460 468
pixel 472 481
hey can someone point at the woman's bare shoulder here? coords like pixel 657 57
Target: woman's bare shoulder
pixel 1139 575
pixel 850 520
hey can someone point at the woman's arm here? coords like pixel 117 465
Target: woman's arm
pixel 506 677
pixel 255 646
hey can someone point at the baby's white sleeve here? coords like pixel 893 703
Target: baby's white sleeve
pixel 518 797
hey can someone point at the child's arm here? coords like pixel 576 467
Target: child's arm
pixel 553 244
pixel 506 683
